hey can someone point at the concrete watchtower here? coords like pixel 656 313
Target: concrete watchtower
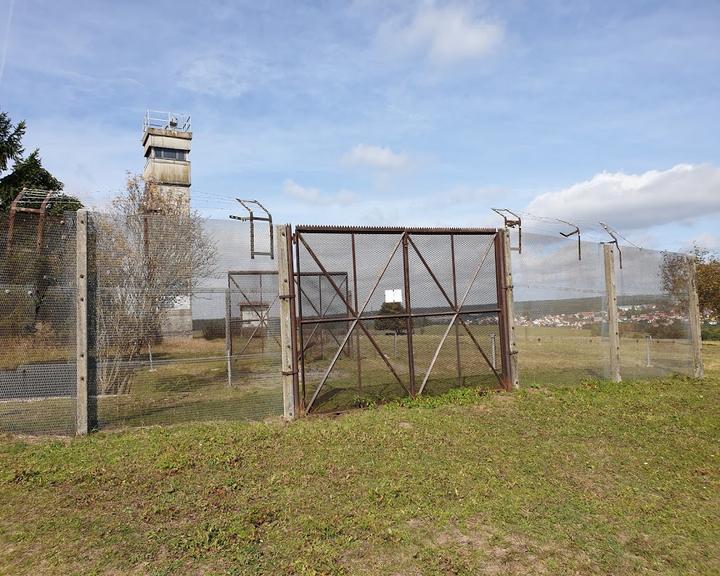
pixel 166 141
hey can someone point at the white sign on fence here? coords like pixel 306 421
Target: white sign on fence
pixel 393 296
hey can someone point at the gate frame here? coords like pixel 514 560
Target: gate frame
pixel 507 379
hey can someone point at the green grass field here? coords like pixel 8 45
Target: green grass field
pixel 593 478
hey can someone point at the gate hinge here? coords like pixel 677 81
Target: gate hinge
pixel 287 297
pixel 289 373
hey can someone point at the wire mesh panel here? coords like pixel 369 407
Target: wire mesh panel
pixel 653 303
pixel 409 311
pixel 37 323
pixel 560 310
pixel 172 341
pixel 447 273
pixel 254 308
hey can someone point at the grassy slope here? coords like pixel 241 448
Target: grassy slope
pixel 590 479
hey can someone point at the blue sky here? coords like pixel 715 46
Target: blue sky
pixel 385 112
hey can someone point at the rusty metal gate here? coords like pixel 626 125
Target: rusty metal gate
pixel 383 313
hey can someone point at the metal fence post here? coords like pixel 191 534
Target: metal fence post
pixel 408 312
pixel 612 312
pixel 228 336
pixel 81 342
pixel 493 350
pixel 288 336
pixel 508 347
pixel 695 322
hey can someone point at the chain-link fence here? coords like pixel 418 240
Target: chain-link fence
pixel 561 311
pixel 37 324
pixel 176 337
pixel 182 325
pixel 169 340
pixel 654 317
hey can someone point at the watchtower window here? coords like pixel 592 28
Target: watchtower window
pixel 169 153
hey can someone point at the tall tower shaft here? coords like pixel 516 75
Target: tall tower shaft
pixel 166 142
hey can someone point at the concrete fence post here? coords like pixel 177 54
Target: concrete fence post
pixel 288 335
pixel 612 312
pixel 81 263
pixel 510 303
pixel 508 346
pixel 695 321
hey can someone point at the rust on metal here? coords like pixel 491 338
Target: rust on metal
pixel 457 328
pixel 355 301
pixel 319 228
pixel 504 325
pixel 44 196
pixel 299 330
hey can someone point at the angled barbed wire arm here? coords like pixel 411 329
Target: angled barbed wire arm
pixel 513 222
pixel 251 218
pixel 611 233
pixel 573 233
pixel 270 223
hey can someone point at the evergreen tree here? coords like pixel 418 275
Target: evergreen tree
pixel 27 172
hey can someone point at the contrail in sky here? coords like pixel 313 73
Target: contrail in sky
pixel 7 41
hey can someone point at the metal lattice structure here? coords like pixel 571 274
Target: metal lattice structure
pixel 438 336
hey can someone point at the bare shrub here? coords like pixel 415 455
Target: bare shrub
pixel 148 249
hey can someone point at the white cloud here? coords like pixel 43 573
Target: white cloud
pixel 223 75
pixel 375 157
pixel 443 35
pixel 635 201
pixel 316 197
